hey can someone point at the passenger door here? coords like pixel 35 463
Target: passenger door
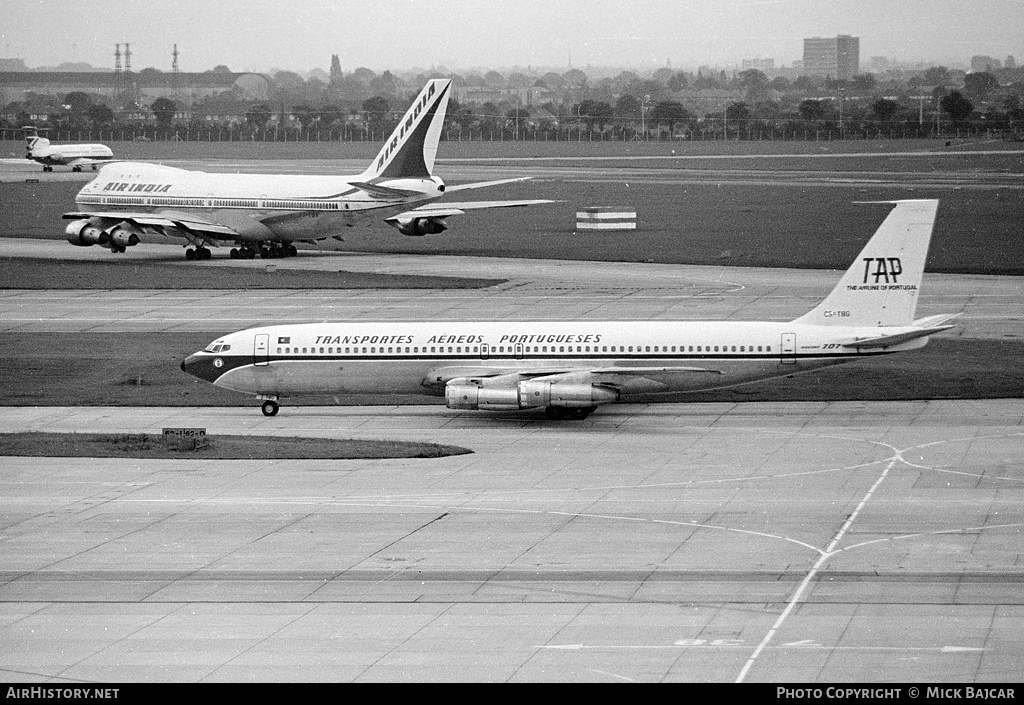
pixel 261 350
pixel 788 349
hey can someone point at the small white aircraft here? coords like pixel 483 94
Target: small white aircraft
pixel 266 214
pixel 569 368
pixel 76 156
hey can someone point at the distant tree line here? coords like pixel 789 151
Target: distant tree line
pixel 362 105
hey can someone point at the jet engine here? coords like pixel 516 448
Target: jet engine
pixel 528 394
pixel 83 233
pixel 536 392
pixel 417 227
pixel 465 395
pixel 123 235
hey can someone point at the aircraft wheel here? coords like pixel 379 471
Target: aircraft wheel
pixel 47 168
pixel 292 251
pixel 234 253
pixel 204 253
pixel 575 413
pixel 270 407
pixel 76 168
pixel 190 254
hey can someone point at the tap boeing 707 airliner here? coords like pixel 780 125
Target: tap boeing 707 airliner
pixel 569 368
pixel 266 214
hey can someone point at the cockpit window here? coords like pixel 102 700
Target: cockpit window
pixel 216 347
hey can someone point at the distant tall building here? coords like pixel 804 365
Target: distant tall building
pixel 838 57
pixel 1010 62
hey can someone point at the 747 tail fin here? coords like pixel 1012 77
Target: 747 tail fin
pixel 410 151
pixel 881 287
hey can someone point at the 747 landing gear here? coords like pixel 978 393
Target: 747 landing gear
pixel 198 253
pixel 270 407
pixel 243 252
pixel 275 250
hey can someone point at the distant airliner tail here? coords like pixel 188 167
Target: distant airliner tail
pixel 411 149
pixel 882 285
pixel 32 138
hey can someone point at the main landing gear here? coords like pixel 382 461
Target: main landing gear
pixel 270 407
pixel 562 413
pixel 199 253
pixel 271 250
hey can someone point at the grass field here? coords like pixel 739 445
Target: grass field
pixel 978 231
pixel 802 215
pixel 142 445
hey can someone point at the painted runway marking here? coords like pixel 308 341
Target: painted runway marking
pixel 698 157
pixel 720 644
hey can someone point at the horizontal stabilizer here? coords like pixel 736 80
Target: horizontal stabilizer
pixel 483 184
pixel 439 208
pixel 391 194
pixel 938 320
pixel 885 341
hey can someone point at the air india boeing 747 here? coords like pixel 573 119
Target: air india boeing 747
pixel 267 214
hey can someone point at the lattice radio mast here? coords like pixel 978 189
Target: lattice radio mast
pixel 118 77
pixel 175 79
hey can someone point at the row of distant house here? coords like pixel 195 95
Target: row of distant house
pixel 145 86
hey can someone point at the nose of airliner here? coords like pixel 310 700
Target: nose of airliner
pixel 203 366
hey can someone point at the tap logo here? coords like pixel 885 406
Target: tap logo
pixel 884 269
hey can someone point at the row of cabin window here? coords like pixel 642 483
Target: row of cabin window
pixel 199 202
pixel 139 201
pixel 535 349
pixel 304 205
pixel 235 203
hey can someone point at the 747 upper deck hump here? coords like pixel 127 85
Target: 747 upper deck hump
pixel 267 214
pixel 569 368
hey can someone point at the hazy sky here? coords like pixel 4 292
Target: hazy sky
pixel 257 35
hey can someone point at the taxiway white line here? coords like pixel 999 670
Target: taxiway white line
pixel 828 553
